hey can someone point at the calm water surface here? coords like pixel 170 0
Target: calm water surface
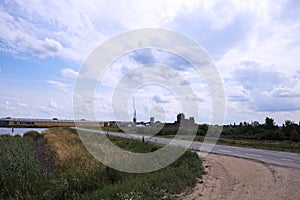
pixel 19 131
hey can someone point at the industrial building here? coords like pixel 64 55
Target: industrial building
pixel 183 122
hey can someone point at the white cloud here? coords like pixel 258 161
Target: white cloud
pixel 42 48
pixel 58 84
pixel 62 86
pixel 256 90
pixel 69 73
pixel 7 106
pixel 19 35
pixel 22 104
pixel 263 102
pixel 160 99
pixel 75 27
pixel 272 44
pixel 222 13
pixel 286 92
pixel 263 33
pixel 53 104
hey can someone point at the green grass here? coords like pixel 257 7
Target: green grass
pixel 20 174
pixel 134 145
pixel 112 129
pixel 287 145
pixel 169 180
pixel 80 176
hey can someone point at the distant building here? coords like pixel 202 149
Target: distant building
pixel 182 121
pixel 180 117
pixel 113 124
pixel 151 120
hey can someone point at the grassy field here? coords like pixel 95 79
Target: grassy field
pixel 287 145
pixel 79 176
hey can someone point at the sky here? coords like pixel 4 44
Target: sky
pixel 255 46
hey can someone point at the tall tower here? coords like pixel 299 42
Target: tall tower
pixel 134 112
pixel 151 120
pixel 180 117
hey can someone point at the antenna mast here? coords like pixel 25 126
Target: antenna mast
pixel 134 112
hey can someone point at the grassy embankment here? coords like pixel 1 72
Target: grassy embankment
pixel 78 175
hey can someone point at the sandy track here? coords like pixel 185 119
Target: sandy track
pixel 236 178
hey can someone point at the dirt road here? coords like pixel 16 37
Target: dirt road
pixel 233 178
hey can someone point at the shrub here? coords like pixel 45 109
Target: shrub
pixel 32 134
pixel 295 136
pixel 17 136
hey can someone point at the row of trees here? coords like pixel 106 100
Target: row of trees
pixel 266 131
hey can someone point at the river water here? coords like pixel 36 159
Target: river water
pixel 19 131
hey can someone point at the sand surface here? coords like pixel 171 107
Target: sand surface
pixel 233 178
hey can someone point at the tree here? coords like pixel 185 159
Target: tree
pixel 255 124
pixel 203 127
pixel 288 127
pixel 295 136
pixel 269 123
pixel 268 134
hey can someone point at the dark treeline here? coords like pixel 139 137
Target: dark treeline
pixel 266 131
pixel 269 130
pixel 169 130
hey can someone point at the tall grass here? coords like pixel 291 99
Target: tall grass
pixel 20 174
pixel 80 176
pixel 285 145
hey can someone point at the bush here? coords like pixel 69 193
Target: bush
pixel 295 136
pixel 201 132
pixel 17 136
pixel 32 134
pixel 272 135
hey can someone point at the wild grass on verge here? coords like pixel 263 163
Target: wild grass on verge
pixel 21 177
pixel 80 176
pixel 286 145
pixel 106 183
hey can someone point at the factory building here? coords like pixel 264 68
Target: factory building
pixel 182 121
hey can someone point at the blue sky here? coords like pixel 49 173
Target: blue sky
pixel 255 46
